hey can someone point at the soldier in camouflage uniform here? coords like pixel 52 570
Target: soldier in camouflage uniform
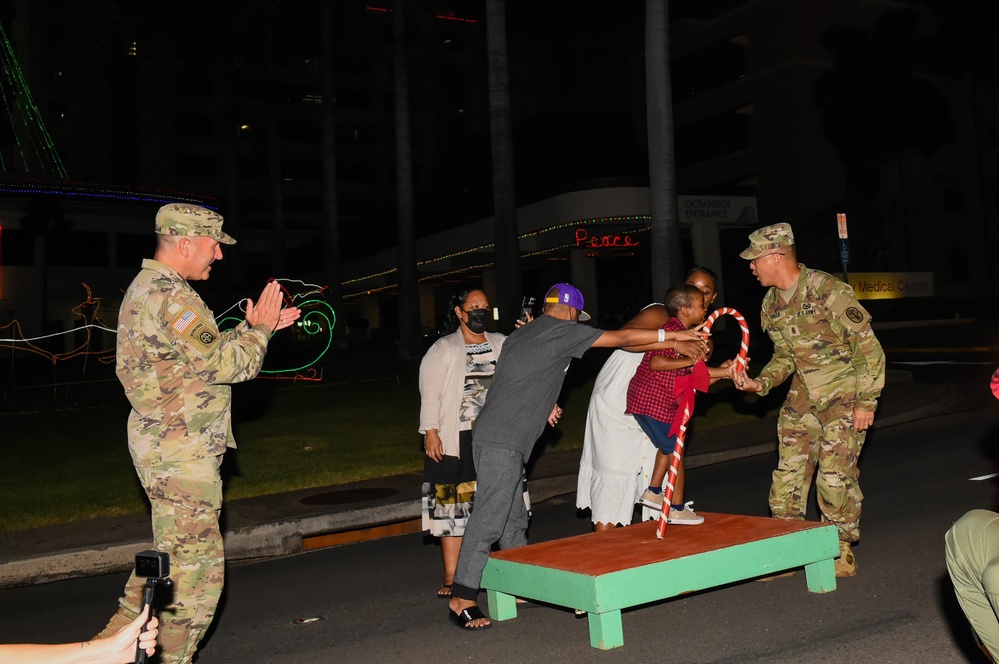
pixel 176 367
pixel 823 338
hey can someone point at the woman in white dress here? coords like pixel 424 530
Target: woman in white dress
pixel 617 459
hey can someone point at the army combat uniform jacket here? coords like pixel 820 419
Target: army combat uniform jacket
pixel 176 367
pixel 823 336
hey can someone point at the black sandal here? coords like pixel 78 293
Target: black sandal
pixel 465 616
pixel 444 592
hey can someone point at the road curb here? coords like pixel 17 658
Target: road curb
pixel 284 536
pixel 277 538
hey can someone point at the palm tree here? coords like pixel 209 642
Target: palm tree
pixel 332 227
pixel 409 300
pixel 507 245
pixel 228 118
pixel 278 237
pixel 667 263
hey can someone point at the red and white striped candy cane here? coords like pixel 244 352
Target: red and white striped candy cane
pixel 681 435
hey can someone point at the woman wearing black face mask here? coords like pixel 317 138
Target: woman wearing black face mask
pixel 454 378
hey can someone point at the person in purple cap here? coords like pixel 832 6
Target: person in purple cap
pixel 526 384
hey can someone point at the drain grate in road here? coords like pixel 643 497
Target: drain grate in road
pixel 348 496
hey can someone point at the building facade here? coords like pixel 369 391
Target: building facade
pixel 794 105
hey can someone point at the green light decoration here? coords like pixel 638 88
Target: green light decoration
pixel 319 320
pixel 25 119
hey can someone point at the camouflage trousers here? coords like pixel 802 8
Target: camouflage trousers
pixel 186 498
pixel 818 436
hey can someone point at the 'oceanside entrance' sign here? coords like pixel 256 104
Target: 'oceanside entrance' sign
pixel 720 209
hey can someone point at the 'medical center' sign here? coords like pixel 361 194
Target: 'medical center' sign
pixel 891 285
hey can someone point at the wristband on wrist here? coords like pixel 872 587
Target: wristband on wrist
pixel 662 335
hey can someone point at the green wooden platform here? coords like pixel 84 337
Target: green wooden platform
pixel 603 573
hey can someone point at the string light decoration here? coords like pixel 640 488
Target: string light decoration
pixel 88 311
pixel 568 245
pixel 314 326
pixel 34 146
pixel 458 19
pixel 75 189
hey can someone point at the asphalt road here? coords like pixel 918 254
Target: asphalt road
pixel 374 601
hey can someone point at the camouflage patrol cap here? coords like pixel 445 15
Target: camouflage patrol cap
pixel 185 219
pixel 767 239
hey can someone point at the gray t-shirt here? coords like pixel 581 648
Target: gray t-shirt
pixel 528 379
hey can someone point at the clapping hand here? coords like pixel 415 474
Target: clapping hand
pixel 268 309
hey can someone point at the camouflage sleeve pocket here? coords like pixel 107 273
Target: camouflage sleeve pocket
pixel 847 311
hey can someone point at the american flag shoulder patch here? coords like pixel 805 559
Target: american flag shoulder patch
pixel 185 320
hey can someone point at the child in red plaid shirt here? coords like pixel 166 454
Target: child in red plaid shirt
pixel 652 399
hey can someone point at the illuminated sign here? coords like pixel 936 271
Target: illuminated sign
pixel 584 239
pixel 722 209
pixel 891 285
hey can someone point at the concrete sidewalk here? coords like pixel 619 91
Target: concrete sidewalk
pixel 276 525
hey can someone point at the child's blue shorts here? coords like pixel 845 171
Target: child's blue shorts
pixel 658 432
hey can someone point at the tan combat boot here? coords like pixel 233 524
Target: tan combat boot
pixel 846 564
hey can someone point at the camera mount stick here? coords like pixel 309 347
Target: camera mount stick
pixel 147 600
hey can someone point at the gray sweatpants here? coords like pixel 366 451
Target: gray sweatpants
pixel 498 515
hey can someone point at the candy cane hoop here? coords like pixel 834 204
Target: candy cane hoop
pixel 681 435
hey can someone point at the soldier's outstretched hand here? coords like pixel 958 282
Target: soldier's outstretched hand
pixel 742 380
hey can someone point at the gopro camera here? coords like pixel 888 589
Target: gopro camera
pixel 152 565
pixel 526 308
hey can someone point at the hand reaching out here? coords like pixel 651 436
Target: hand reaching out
pixel 693 334
pixel 742 379
pixel 119 648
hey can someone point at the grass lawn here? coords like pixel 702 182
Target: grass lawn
pixel 70 461
pixel 68 465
